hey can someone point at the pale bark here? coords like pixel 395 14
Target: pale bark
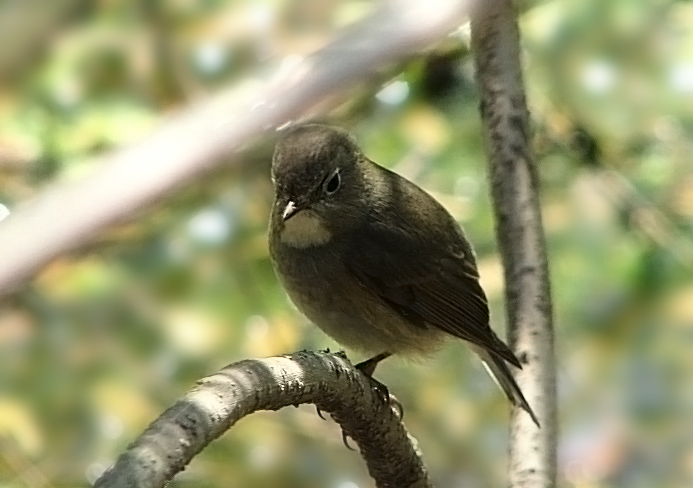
pixel 514 187
pixel 72 213
pixel 219 401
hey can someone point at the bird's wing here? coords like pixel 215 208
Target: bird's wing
pixel 425 282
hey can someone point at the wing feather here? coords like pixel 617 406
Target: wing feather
pixel 426 283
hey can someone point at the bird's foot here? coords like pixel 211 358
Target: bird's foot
pixel 394 402
pixel 387 397
pixel 368 368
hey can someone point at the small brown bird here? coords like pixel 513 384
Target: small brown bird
pixel 372 259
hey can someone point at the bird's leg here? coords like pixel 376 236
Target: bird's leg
pixel 368 367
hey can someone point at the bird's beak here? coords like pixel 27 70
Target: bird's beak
pixel 289 211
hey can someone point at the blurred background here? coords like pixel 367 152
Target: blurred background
pixel 106 338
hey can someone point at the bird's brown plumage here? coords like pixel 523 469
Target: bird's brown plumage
pixel 396 271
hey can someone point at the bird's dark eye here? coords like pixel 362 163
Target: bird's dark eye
pixel 334 184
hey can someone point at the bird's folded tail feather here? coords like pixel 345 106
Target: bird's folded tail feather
pixel 500 372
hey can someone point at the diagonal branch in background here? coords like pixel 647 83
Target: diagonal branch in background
pixel 217 402
pixel 71 213
pixel 646 217
pixel 26 28
pixel 519 230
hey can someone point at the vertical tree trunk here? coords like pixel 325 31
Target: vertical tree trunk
pixel 519 230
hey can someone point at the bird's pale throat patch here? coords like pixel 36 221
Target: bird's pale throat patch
pixel 305 229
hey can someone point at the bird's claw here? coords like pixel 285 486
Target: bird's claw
pixel 387 397
pixel 345 440
pixel 319 412
pixel 394 402
pixel 380 389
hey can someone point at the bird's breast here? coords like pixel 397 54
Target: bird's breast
pixel 322 288
pixel 305 229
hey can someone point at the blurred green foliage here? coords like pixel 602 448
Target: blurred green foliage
pixel 108 337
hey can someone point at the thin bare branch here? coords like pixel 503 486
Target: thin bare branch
pixel 217 402
pixel 495 40
pixel 203 137
pixel 645 215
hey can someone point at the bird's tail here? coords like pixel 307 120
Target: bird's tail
pixel 499 371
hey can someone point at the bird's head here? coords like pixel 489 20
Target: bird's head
pixel 319 185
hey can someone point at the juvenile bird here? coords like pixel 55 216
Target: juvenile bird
pixel 372 259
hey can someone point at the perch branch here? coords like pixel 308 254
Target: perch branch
pixel 519 230
pixel 217 402
pixel 71 213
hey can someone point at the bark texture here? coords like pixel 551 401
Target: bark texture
pixel 514 187
pixel 219 401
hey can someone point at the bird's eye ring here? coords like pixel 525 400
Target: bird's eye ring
pixel 333 184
